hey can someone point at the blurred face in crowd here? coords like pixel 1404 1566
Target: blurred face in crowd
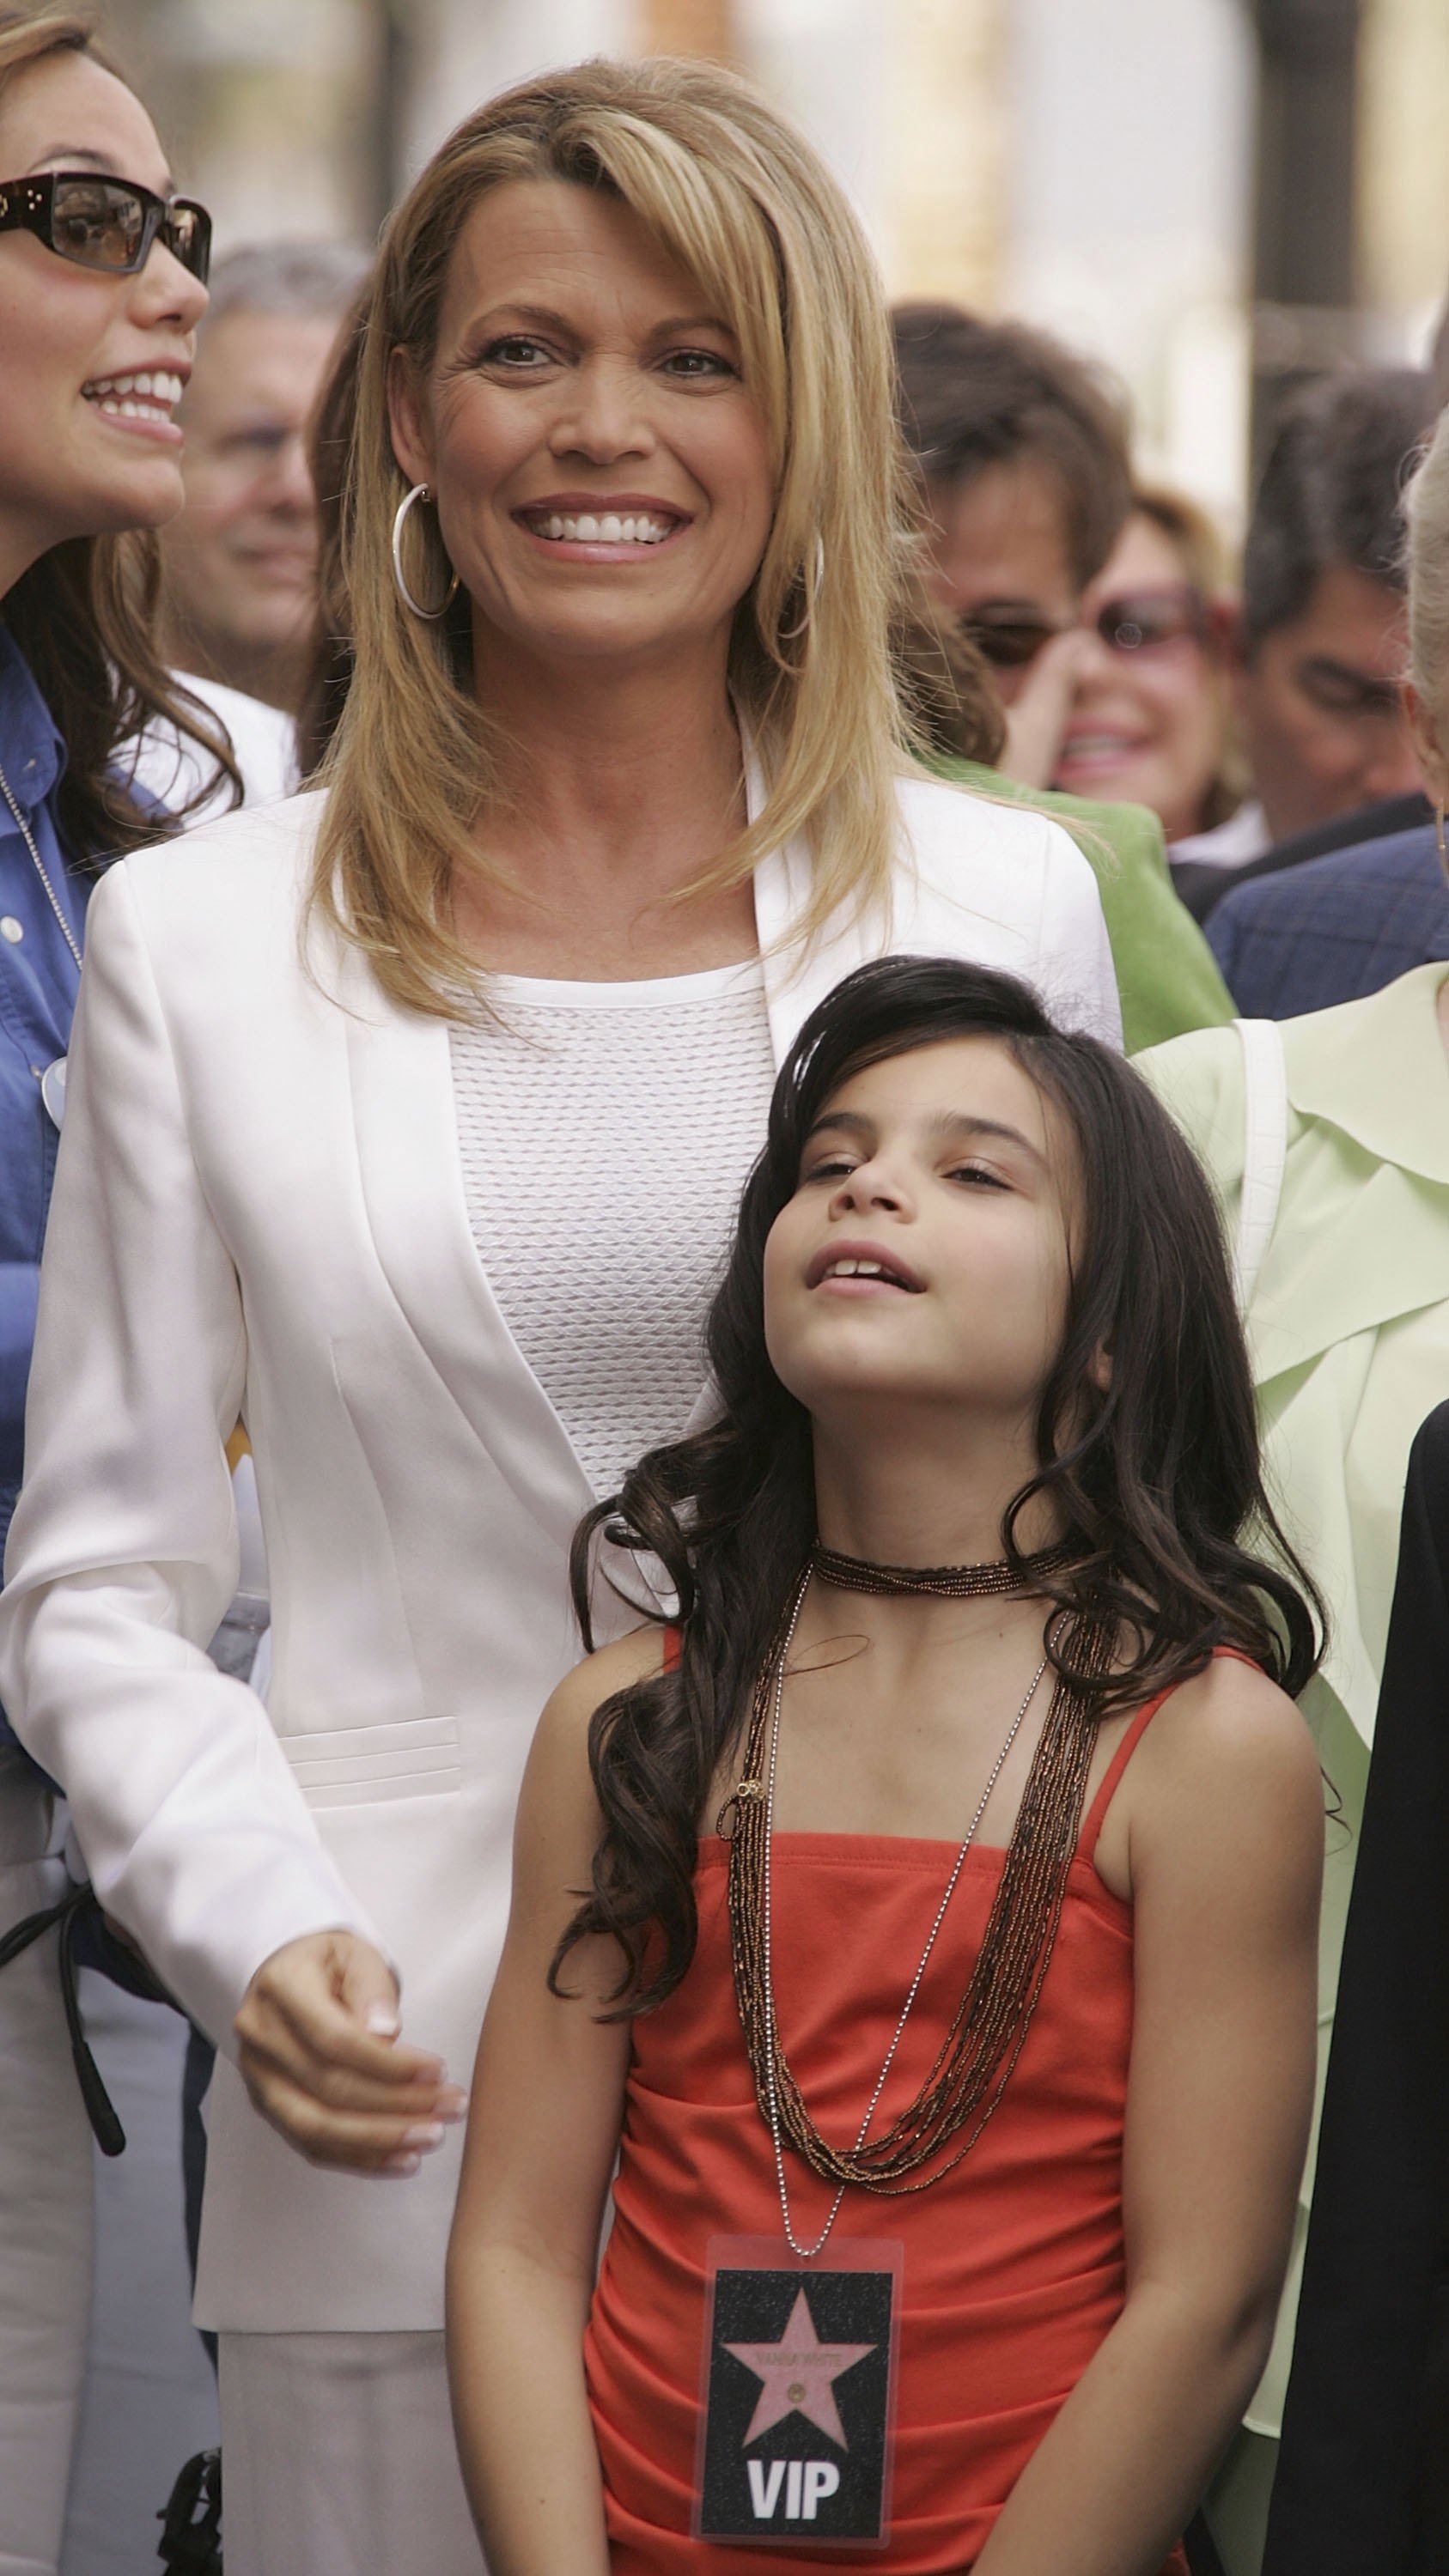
pixel 1320 704
pixel 91 365
pixel 1001 560
pixel 602 474
pixel 1147 718
pixel 241 560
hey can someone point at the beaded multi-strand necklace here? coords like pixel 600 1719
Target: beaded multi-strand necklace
pixel 979 2050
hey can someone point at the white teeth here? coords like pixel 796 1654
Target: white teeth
pixel 848 1267
pixel 607 527
pixel 149 395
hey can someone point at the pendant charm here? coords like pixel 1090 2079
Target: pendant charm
pixel 798 2391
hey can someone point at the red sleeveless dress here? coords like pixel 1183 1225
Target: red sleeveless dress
pixel 1014 2264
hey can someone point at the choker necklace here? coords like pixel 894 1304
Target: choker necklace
pixel 946 1582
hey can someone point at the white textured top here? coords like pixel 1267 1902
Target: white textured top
pixel 606 1131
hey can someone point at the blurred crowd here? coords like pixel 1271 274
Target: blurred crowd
pixel 1247 745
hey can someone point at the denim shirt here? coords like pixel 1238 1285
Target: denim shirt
pixel 39 980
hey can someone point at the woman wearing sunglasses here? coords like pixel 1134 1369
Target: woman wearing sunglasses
pixel 102 280
pixel 1149 720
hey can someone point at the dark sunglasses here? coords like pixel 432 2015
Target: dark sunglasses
pixel 1141 621
pixel 109 224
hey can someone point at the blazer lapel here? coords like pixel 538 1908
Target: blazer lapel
pixel 412 1185
pixel 1371 1081
pixel 1322 1291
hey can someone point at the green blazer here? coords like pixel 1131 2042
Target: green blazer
pixel 1348 1330
pixel 1166 973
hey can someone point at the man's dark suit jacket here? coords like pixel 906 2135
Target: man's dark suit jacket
pixel 1202 887
pixel 1363 2477
pixel 1334 929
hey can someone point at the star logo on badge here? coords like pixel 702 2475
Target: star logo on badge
pixel 797 2374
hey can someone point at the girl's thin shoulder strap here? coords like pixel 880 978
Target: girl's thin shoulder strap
pixel 673 1649
pixel 1096 1815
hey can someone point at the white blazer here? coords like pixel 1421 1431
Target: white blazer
pixel 259 1209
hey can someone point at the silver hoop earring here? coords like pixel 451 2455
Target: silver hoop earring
pixel 419 492
pixel 792 634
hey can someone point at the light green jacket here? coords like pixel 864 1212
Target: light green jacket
pixel 1167 975
pixel 1348 1330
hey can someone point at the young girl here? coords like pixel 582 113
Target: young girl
pixel 944 1983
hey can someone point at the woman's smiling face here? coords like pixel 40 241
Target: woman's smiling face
pixel 84 446
pixel 1145 727
pixel 924 1258
pixel 602 474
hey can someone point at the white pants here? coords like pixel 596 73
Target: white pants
pixel 45 2203
pixel 338 2458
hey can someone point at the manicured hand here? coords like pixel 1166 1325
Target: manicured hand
pixel 322 2059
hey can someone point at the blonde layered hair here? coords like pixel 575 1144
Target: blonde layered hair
pixel 741 202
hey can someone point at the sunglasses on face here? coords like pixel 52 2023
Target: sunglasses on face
pixel 1141 621
pixel 109 224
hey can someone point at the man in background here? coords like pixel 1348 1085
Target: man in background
pixel 1022 450
pixel 1323 637
pixel 240 562
pixel 1022 455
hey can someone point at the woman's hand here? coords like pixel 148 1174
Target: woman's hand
pixel 1037 718
pixel 322 2060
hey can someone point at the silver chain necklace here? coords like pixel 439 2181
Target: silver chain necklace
pixel 807 2252
pixel 28 837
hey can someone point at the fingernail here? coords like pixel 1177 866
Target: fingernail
pixel 452 2105
pixel 400 2164
pixel 382 2019
pixel 428 2133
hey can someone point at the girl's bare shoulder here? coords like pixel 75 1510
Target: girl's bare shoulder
pixel 558 1792
pixel 1227 1760
pixel 611 1668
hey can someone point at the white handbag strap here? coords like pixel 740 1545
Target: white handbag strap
pixel 1265 1144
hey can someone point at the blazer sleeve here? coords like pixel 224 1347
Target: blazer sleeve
pixel 123 1550
pixel 1076 973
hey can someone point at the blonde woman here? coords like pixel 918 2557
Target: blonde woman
pixel 408 1119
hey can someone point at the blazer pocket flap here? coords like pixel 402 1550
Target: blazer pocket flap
pixel 348 1766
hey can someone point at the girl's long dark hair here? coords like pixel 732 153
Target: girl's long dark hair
pixel 1155 1482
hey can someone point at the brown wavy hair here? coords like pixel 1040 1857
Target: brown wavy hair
pixel 84 614
pixel 1155 1481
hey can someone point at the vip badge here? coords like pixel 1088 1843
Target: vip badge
pixel 798 2383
